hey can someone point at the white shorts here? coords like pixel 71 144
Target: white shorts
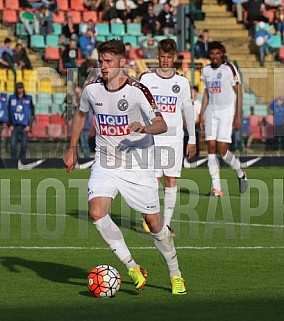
pixel 218 125
pixel 168 160
pixel 138 188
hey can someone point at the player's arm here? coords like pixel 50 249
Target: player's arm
pixel 204 105
pixel 70 158
pixel 158 126
pixel 239 99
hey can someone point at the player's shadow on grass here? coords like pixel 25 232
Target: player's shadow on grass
pixel 54 272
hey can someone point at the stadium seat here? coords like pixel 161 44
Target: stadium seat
pixel 249 99
pixel 101 38
pixel 39 131
pixel 13 4
pixel 255 126
pixel 56 119
pixel 52 41
pixel 3 74
pixel 281 53
pixel 275 42
pixel 59 17
pixel 117 29
pixel 10 85
pixel 77 5
pixel 130 39
pixel 27 74
pixel 55 131
pixel 1 5
pixel 37 42
pixel 9 16
pixel 56 109
pixel 63 5
pixel 44 98
pixel 42 119
pixel 90 15
pixel 57 29
pixel 76 15
pixel 20 31
pixel 260 109
pixel 103 29
pixel 41 108
pixel 266 26
pixel 134 29
pixel 58 98
pixel 52 53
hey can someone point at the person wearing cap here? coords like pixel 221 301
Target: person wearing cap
pixel 262 39
pixel 3 115
pixel 21 113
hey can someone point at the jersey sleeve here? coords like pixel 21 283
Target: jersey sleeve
pixel 85 104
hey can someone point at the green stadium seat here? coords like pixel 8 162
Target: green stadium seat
pixel 117 29
pixel 58 98
pixel 101 38
pixel 51 41
pixel 260 109
pixel 134 29
pixel 37 42
pixel 249 99
pixel 20 31
pixel 275 42
pixel 103 29
pixel 131 39
pixel 57 29
pixel 41 108
pixel 266 26
pixel 44 98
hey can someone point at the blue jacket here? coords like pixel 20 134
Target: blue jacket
pixel 21 110
pixel 4 117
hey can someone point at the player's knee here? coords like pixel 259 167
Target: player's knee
pixel 95 214
pixel 154 222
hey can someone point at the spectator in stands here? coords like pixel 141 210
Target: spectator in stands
pixel 272 4
pixel 167 20
pixel 255 10
pixel 70 54
pixel 157 6
pixel 4 117
pixel 30 23
pixel 277 106
pixel 87 42
pixel 45 19
pixel 68 30
pixel 262 38
pixel 141 8
pixel 110 13
pixel 279 22
pixel 50 4
pixel 21 59
pixel 149 22
pixel 247 134
pixel 199 48
pixel 91 25
pixel 149 47
pixel 239 10
pixel 6 57
pixel 21 113
pixel 206 39
pixel 125 10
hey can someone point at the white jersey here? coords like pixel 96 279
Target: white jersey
pixel 219 82
pixel 171 96
pixel 116 146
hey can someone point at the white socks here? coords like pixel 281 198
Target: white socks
pixel 213 166
pixel 234 163
pixel 112 235
pixel 165 245
pixel 169 204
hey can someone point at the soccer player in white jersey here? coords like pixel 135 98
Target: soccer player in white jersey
pixel 172 94
pixel 126 119
pixel 220 113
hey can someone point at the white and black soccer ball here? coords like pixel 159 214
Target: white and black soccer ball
pixel 104 281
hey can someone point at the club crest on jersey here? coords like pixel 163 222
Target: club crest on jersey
pixel 214 86
pixel 219 75
pixel 166 104
pixel 122 104
pixel 113 125
pixel 176 89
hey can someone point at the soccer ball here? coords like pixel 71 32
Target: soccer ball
pixel 104 281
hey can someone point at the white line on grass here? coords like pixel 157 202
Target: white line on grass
pixel 176 221
pixel 141 248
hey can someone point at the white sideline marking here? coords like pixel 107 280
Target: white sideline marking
pixel 141 248
pixel 176 221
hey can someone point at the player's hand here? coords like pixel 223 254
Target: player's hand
pixel 236 123
pixel 70 159
pixel 201 122
pixel 190 150
pixel 136 127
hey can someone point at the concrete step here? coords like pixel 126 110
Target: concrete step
pixel 228 34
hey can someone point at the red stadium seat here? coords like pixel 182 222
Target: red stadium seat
pixel 52 53
pixel 13 4
pixel 1 5
pixel 59 18
pixel 281 53
pixel 63 5
pixel 56 119
pixel 42 119
pixel 39 131
pixel 77 5
pixel 90 15
pixel 10 16
pixel 76 15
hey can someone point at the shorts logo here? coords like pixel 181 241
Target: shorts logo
pixel 166 104
pixel 214 86
pixel 122 104
pixel 113 125
pixel 176 89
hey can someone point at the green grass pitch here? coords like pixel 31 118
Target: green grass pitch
pixel 231 250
